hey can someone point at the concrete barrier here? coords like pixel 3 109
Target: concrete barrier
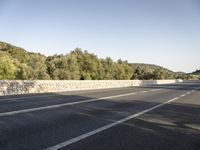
pixel 14 87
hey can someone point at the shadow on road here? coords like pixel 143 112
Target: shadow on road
pixel 174 126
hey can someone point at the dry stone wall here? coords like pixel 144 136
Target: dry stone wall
pixel 13 87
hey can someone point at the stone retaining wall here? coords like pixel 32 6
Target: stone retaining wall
pixel 13 87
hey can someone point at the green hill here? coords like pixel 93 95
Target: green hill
pixel 197 72
pixel 149 67
pixel 151 71
pixel 17 63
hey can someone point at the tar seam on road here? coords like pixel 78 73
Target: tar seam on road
pixel 65 104
pixel 25 97
pixel 84 136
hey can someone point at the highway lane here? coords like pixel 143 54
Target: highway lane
pixel 17 102
pixel 173 126
pixel 152 130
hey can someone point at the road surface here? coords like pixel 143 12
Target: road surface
pixel 159 117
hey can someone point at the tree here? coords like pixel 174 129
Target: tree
pixel 123 70
pixel 73 67
pixel 17 63
pixel 38 67
pixel 7 68
pixel 24 72
pixel 159 74
pixel 109 68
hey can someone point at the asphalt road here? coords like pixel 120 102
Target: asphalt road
pixel 161 117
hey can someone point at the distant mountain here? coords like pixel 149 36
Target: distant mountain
pixel 149 67
pixel 180 73
pixel 197 72
pixel 151 71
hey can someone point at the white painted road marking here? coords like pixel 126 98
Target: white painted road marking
pixel 188 93
pixel 143 91
pixel 155 90
pixel 84 136
pixel 182 95
pixel 62 105
pixel 52 95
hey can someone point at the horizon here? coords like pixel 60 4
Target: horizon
pixel 164 33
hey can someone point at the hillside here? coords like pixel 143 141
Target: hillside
pixel 17 63
pixel 149 67
pixel 151 71
pixel 197 72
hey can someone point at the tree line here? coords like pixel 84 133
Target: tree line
pixel 197 72
pixel 17 63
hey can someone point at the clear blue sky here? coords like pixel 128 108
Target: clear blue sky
pixel 162 32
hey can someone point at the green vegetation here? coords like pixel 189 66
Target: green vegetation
pixel 7 67
pixel 17 63
pixel 195 74
pixel 150 71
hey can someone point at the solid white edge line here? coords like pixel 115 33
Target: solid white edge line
pixel 62 105
pixel 98 130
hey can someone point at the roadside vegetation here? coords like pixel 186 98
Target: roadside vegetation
pixel 17 63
